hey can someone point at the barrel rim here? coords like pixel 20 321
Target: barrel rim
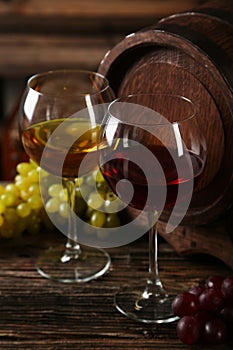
pixel 194 13
pixel 155 37
pixel 221 61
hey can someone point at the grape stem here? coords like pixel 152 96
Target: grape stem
pixel 73 249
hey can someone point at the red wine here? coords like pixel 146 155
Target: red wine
pixel 121 167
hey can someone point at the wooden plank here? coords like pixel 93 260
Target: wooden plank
pixel 23 54
pixel 89 16
pixel 86 16
pixel 39 314
pixel 93 8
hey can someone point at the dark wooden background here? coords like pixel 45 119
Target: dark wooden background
pixel 37 35
pixel 44 35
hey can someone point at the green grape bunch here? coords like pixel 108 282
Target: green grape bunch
pixel 90 205
pixel 25 202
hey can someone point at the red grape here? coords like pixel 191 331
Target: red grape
pixel 214 331
pixel 206 311
pixel 204 316
pixel 189 330
pixel 185 304
pixel 210 299
pixel 227 312
pixel 227 288
pixel 215 282
pixel 196 290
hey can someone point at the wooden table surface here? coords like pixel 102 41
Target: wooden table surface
pixel 36 313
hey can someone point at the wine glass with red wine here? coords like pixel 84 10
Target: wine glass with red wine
pixel 152 155
pixel 59 126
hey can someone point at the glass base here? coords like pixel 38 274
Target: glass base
pixel 59 265
pixel 138 304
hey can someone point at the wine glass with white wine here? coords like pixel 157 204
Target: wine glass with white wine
pixel 54 101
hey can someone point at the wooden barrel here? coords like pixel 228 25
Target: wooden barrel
pixel 190 54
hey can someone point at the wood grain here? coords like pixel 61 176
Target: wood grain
pixel 91 8
pixel 75 16
pixel 39 314
pixel 25 54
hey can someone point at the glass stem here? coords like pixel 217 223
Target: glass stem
pixel 154 284
pixel 73 249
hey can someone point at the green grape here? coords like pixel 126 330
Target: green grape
pixel 11 215
pixel 23 209
pixel 9 199
pixel 34 189
pixel 33 176
pixel 102 188
pixel 52 205
pixel 22 183
pixel 90 180
pixel 64 209
pixel 24 195
pixel 55 189
pixel 19 178
pixel 33 163
pixel 1 220
pixel 79 181
pixel 98 218
pixel 24 168
pixel 2 189
pixel 13 189
pixel 35 201
pixel 42 173
pixel 47 181
pixel 98 176
pixel 63 195
pixel 113 206
pixel 111 196
pixel 83 191
pixel 94 173
pixel 95 201
pixel 89 212
pixel 112 220
pixel 2 207
pixel 58 219
pixel 21 203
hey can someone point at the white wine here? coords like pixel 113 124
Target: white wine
pixel 35 139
